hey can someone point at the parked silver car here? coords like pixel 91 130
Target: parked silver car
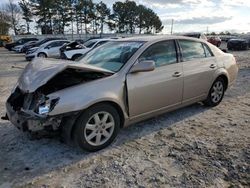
pixel 118 84
pixel 48 49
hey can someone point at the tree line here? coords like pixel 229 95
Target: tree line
pixel 79 16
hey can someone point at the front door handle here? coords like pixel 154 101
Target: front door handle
pixel 177 74
pixel 212 66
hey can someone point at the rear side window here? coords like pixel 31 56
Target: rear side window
pixel 56 44
pixel 163 53
pixel 207 51
pixel 62 43
pixel 191 50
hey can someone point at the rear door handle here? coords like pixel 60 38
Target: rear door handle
pixel 177 74
pixel 212 66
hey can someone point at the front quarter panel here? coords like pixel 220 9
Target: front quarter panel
pixel 80 97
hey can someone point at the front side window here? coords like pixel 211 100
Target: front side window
pixel 162 53
pixel 111 56
pixel 53 44
pixel 191 50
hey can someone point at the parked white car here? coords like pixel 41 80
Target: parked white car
pixel 48 49
pixel 73 54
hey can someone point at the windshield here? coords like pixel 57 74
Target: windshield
pixel 90 43
pixel 112 55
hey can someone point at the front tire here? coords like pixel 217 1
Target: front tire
pixel 97 127
pixel 216 93
pixel 42 55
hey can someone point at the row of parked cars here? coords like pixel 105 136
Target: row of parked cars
pixel 233 43
pixel 72 50
pixel 55 47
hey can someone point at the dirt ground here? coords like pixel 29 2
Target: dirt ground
pixel 192 147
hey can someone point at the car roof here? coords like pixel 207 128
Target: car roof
pixel 51 41
pixel 102 39
pixel 157 38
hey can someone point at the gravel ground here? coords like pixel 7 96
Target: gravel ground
pixel 191 147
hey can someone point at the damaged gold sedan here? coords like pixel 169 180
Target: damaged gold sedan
pixel 117 84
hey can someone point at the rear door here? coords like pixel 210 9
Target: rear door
pixel 157 89
pixel 199 66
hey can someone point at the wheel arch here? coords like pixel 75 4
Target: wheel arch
pixel 112 103
pixel 225 79
pixel 42 53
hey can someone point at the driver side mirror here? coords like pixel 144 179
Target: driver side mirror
pixel 143 66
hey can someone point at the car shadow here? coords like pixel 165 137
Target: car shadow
pixel 25 159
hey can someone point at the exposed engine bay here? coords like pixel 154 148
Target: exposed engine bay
pixel 68 78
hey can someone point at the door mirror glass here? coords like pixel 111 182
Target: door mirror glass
pixel 143 66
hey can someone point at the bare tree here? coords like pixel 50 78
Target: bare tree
pixel 15 12
pixel 4 22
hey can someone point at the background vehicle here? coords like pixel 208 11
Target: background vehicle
pixel 48 49
pixel 237 44
pixel 196 35
pixel 80 41
pixel 70 46
pixel 215 41
pixel 19 42
pixel 4 39
pixel 20 48
pixel 73 54
pixel 39 43
pixel 117 84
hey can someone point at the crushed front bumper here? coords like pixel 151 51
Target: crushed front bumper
pixel 25 120
pixel 20 112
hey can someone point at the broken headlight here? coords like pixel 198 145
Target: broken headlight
pixel 47 106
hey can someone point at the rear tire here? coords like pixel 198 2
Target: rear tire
pixel 216 93
pixel 97 127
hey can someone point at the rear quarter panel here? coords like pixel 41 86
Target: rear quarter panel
pixel 228 67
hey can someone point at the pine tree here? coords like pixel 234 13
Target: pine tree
pixel 27 14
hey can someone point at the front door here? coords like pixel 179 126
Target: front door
pixel 157 89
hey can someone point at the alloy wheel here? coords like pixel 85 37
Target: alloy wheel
pixel 99 128
pixel 217 91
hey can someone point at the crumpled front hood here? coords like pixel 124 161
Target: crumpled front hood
pixel 40 71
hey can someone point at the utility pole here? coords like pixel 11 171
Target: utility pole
pixel 172 26
pixel 72 22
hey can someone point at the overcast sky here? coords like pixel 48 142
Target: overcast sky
pixel 198 15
